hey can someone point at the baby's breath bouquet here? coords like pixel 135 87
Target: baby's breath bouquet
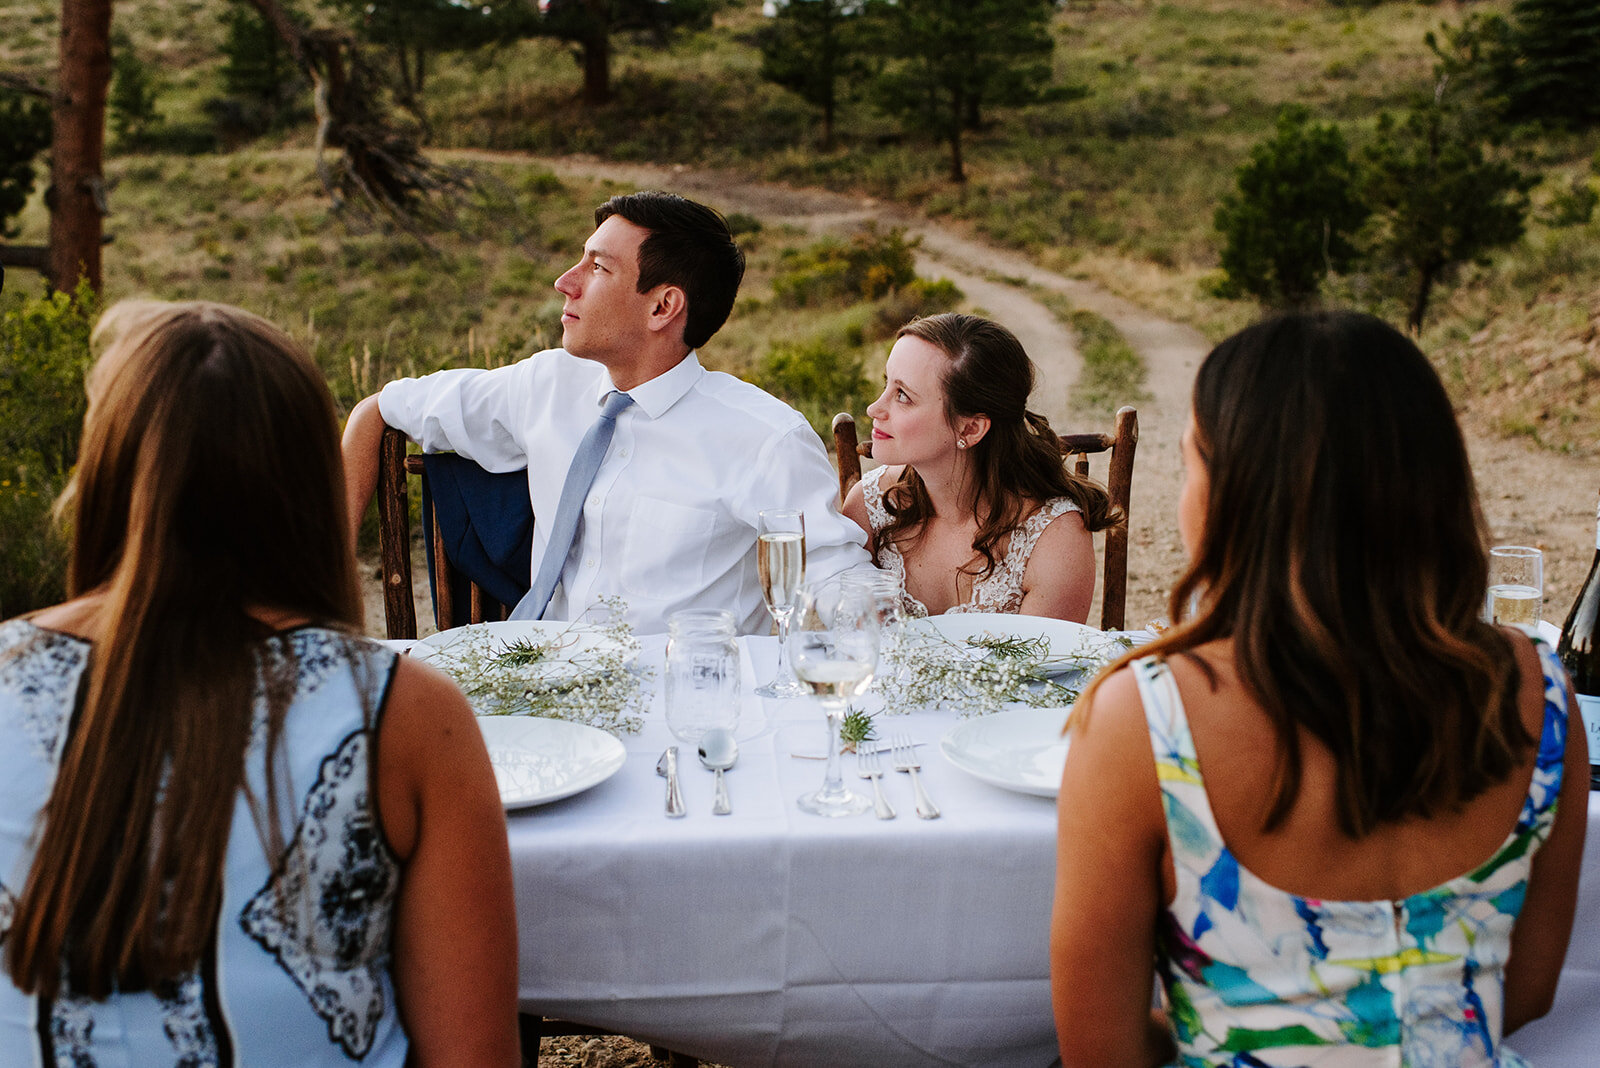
pixel 985 672
pixel 562 675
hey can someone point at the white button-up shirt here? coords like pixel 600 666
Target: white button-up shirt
pixel 671 519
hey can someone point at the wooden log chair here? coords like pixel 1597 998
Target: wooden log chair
pixel 1121 443
pixel 395 466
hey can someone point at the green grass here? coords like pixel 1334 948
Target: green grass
pixel 1115 178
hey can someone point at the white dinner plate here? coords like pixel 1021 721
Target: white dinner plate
pixel 538 760
pixel 1068 641
pixel 575 640
pixel 1020 749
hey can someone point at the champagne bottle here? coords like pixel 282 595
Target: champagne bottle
pixel 1579 650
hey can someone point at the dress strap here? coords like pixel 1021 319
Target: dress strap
pixel 1551 760
pixel 1191 826
pixel 872 496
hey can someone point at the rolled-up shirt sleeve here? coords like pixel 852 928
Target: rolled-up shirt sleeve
pixel 468 411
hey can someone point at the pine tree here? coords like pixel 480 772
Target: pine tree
pixel 815 48
pixel 957 56
pixel 1442 200
pixel 24 133
pixel 1556 72
pixel 1295 212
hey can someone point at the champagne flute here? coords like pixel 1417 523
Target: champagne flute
pixel 781 562
pixel 836 653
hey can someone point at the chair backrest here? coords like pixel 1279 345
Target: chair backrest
pixel 1121 443
pixel 394 546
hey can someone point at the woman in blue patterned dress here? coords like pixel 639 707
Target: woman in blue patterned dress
pixel 231 830
pixel 1339 815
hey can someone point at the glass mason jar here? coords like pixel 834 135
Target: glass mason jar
pixel 702 672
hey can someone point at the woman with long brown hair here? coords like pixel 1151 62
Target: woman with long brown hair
pixel 1338 814
pixel 974 509
pixel 231 830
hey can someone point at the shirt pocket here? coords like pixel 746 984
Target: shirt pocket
pixel 666 548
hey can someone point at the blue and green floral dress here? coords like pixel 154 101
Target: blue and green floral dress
pixel 1258 976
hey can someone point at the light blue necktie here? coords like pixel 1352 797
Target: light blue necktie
pixel 580 476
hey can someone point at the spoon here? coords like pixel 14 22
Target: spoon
pixel 667 768
pixel 718 751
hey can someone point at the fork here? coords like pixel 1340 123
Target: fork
pixel 905 759
pixel 869 767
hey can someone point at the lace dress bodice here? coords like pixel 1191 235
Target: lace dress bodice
pixel 998 591
pixel 300 969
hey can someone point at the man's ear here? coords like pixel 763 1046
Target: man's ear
pixel 668 304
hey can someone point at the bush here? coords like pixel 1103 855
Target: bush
pixel 44 353
pixel 919 297
pixel 1293 215
pixel 868 266
pixel 818 377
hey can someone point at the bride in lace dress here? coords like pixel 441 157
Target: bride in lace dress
pixel 974 509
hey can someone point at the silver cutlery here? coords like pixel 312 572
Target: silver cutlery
pixel 884 748
pixel 869 767
pixel 718 751
pixel 905 759
pixel 667 768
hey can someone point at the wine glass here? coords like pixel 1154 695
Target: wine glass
pixel 835 654
pixel 781 562
pixel 888 603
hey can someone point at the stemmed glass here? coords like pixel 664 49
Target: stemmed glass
pixel 781 561
pixel 888 602
pixel 835 654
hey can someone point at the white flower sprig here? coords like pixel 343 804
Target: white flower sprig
pixel 560 677
pixel 985 672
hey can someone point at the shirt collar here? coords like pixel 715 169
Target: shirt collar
pixel 659 394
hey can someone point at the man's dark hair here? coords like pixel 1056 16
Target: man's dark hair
pixel 690 247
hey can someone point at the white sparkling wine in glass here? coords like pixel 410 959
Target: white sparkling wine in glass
pixel 842 679
pixel 782 565
pixel 1516 606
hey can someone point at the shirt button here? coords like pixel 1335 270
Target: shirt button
pixel 589 564
pixel 622 454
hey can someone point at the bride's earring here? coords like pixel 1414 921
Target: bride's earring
pixel 961 443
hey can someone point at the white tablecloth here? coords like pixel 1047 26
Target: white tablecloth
pixel 775 937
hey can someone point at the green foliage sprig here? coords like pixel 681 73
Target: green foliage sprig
pixel 558 677
pixel 986 672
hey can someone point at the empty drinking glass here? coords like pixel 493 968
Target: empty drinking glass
pixel 702 672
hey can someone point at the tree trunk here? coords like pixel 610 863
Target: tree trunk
pixel 597 54
pixel 958 173
pixel 1419 303
pixel 77 196
pixel 827 124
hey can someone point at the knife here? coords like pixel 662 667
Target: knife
pixel 667 767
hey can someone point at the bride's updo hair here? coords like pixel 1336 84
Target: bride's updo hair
pixel 1017 465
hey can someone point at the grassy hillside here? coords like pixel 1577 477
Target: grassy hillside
pixel 1116 179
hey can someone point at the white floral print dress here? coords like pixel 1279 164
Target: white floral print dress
pixel 1256 976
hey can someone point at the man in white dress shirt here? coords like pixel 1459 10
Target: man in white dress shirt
pixel 670 520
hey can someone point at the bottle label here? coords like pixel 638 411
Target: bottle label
pixel 1589 706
